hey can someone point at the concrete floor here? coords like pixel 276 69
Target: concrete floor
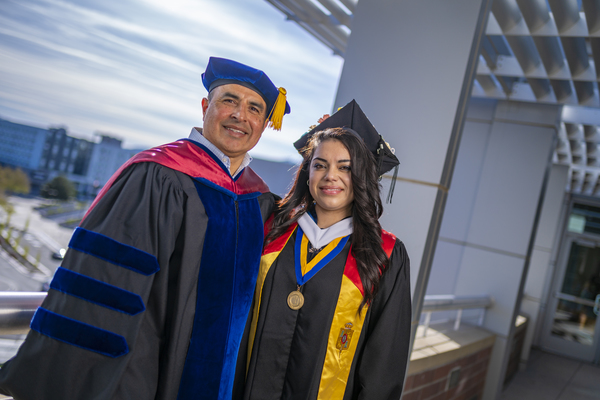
pixel 548 377
pixel 552 377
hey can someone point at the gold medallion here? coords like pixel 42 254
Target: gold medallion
pixel 295 300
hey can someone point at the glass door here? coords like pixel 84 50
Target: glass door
pixel 572 326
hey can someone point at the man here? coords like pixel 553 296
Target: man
pixel 153 295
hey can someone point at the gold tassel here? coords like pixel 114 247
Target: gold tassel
pixel 276 116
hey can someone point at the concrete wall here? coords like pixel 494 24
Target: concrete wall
pixel 462 197
pixel 490 213
pixel 392 69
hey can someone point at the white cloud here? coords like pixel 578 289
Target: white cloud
pixel 132 68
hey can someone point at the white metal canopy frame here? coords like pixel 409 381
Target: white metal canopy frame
pixel 330 21
pixel 542 51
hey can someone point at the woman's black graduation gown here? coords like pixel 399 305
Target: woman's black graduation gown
pixel 314 353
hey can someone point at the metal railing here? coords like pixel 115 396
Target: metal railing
pixel 17 309
pixel 436 303
pixel 579 300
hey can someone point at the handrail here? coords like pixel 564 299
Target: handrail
pixel 445 302
pixel 17 309
pixel 574 299
pixel 434 303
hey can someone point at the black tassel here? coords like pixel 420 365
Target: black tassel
pixel 379 159
pixel 392 186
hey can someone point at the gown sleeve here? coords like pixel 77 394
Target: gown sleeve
pixel 266 202
pixel 381 367
pixel 97 312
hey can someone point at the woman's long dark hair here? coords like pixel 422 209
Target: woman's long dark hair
pixel 371 260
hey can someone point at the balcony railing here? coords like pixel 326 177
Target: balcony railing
pixel 17 309
pixel 436 303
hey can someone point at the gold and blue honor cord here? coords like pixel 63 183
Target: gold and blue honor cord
pixel 323 258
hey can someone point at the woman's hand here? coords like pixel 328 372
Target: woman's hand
pixel 323 118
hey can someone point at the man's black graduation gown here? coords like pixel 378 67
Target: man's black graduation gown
pixel 153 295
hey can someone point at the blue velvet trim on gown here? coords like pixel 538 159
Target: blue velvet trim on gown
pixel 239 197
pixel 226 281
pixel 78 334
pixel 114 252
pixel 96 292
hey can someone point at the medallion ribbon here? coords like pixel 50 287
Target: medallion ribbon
pixel 306 270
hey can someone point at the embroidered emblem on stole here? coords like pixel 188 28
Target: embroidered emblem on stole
pixel 344 337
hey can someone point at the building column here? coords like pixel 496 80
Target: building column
pixel 392 68
pixel 543 260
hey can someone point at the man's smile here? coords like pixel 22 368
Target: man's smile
pixel 236 131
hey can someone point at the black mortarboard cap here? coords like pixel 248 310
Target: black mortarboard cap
pixel 352 117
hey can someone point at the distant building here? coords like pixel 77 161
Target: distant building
pixel 66 155
pixel 46 153
pixel 22 145
pixel 106 158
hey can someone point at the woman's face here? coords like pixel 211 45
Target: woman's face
pixel 330 181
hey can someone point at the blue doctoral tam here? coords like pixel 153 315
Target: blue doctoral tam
pixel 221 71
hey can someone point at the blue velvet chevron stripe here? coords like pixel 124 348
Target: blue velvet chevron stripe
pixel 97 292
pixel 226 281
pixel 78 334
pixel 114 252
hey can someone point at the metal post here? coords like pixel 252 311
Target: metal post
pixel 427 321
pixel 458 318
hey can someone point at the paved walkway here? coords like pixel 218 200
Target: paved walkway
pixel 52 234
pixel 551 377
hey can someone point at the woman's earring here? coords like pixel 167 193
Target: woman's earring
pixel 308 182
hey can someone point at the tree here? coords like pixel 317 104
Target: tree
pixel 13 181
pixel 59 188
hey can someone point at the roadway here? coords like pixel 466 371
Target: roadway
pixel 43 237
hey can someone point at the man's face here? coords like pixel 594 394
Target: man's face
pixel 234 119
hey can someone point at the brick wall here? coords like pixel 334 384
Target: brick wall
pixel 462 379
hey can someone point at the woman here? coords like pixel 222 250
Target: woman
pixel 332 305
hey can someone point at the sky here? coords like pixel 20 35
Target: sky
pixel 132 69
